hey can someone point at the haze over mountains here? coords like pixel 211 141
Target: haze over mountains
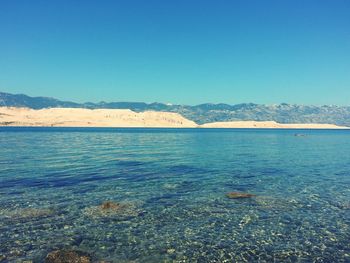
pixel 203 113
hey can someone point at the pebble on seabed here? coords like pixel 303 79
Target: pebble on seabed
pixel 67 256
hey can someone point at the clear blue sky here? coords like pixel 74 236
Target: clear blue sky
pixel 179 51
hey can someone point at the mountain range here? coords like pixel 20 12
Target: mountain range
pixel 203 113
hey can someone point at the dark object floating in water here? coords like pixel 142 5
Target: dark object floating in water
pixel 237 195
pixel 67 256
pixel 300 135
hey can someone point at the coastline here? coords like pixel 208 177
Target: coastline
pixel 271 125
pixel 124 118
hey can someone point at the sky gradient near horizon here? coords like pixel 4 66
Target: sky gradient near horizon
pixel 183 51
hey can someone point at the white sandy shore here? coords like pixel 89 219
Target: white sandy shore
pixel 270 125
pixel 77 117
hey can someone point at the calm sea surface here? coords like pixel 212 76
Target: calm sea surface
pixel 171 186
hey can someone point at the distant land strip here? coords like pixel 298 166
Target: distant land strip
pixel 78 117
pixel 282 113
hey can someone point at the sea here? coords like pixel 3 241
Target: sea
pixel 161 195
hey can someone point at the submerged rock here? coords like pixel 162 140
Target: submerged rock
pixel 341 205
pixel 68 256
pixel 34 212
pixel 238 195
pixel 169 186
pixel 109 205
pixel 277 204
pixel 110 209
pixel 27 213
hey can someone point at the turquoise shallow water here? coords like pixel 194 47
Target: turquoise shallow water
pixel 172 185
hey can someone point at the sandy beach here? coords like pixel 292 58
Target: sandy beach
pixel 270 125
pixel 78 117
